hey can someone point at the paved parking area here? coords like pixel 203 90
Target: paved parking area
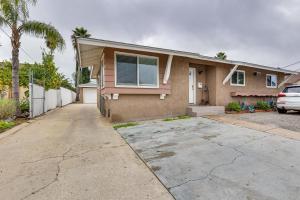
pixel 288 121
pixel 200 158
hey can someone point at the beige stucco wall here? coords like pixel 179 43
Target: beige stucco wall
pixel 254 84
pixel 8 93
pixel 81 95
pixel 132 107
pixel 143 105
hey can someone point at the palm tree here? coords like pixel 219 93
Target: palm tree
pixel 78 32
pixel 15 15
pixel 221 55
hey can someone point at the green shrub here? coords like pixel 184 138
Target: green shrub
pixel 262 105
pixel 117 126
pixel 5 125
pixel 7 108
pixel 24 105
pixel 233 106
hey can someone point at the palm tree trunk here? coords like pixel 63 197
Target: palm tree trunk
pixel 15 78
pixel 77 79
pixel 15 41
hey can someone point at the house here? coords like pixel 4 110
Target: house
pixel 88 93
pixel 142 82
pixel 6 90
pixel 293 80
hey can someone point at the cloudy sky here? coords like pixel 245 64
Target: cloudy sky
pixel 259 31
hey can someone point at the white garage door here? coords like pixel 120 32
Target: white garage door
pixel 89 95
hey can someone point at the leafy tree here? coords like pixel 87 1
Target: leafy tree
pixel 45 74
pixel 78 32
pixel 5 77
pixel 85 75
pixel 221 55
pixel 15 15
pixel 66 83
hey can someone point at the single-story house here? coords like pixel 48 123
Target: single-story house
pixel 142 82
pixel 293 80
pixel 88 93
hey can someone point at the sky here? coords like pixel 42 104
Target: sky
pixel 265 32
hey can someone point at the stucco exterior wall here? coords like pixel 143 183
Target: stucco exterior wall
pixel 7 94
pixel 81 95
pixel 147 106
pixel 254 85
pixel 142 103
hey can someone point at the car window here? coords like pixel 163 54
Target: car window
pixel 295 89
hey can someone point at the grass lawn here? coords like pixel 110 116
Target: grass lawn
pixel 4 125
pixel 125 125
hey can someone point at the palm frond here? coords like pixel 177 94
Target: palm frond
pixel 8 12
pixel 79 32
pixel 43 30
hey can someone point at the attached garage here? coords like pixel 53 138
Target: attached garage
pixel 88 93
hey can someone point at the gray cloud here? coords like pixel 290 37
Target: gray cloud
pixel 264 32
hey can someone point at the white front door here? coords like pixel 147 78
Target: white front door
pixel 192 87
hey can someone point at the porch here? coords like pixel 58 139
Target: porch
pixel 197 111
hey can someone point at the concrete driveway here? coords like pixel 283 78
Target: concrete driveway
pixel 200 158
pixel 73 153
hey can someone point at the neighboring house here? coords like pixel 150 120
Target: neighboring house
pixel 141 82
pixel 7 93
pixel 88 93
pixel 293 80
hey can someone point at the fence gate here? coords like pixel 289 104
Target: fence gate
pixel 41 100
pixel 36 97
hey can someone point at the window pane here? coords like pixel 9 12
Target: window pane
pixel 234 78
pixel 274 81
pixel 241 78
pixel 147 71
pixel 126 70
pixel 269 80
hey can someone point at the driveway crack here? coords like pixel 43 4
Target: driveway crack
pixel 211 171
pixel 56 175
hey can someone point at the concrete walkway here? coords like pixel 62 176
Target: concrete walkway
pixel 73 153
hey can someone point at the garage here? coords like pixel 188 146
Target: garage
pixel 88 93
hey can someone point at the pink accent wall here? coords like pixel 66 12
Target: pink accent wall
pixel 109 74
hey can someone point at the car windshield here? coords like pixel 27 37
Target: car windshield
pixel 294 89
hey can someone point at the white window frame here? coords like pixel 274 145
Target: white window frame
pixel 236 84
pixel 271 80
pixel 138 82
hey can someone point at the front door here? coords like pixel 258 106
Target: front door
pixel 192 88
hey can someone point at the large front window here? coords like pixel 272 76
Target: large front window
pixel 139 71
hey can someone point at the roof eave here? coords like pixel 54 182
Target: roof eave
pixel 121 45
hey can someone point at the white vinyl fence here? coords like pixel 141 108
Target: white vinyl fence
pixel 41 101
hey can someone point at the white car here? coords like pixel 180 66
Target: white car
pixel 289 99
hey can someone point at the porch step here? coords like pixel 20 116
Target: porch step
pixel 197 111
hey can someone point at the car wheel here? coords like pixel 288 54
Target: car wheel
pixel 281 111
